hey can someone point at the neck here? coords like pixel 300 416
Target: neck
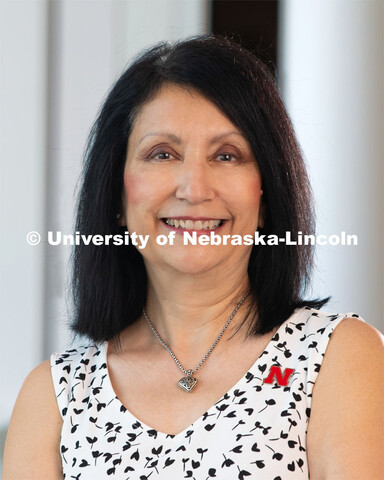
pixel 189 311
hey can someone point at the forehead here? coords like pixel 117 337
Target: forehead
pixel 183 109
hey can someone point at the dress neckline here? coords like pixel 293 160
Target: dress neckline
pixel 252 372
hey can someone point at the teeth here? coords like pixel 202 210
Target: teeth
pixel 190 225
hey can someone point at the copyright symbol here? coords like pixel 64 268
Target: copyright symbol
pixel 33 238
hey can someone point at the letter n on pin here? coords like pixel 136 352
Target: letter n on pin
pixel 275 372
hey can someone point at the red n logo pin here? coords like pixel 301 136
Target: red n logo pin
pixel 276 372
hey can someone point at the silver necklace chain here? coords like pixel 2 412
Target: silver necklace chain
pixel 190 372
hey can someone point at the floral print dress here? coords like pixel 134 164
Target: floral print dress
pixel 257 430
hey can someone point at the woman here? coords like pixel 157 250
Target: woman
pixel 218 375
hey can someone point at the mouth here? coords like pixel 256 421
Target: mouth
pixel 197 225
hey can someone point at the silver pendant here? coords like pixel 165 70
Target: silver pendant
pixel 188 383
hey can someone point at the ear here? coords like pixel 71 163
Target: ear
pixel 120 219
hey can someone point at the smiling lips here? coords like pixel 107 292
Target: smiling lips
pixel 187 224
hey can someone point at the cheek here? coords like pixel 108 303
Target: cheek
pixel 146 189
pixel 135 188
pixel 248 193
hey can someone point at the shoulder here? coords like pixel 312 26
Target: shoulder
pixel 38 380
pixel 74 371
pixel 353 334
pixel 34 430
pixel 355 351
pixel 348 398
pixel 69 362
pixel 312 329
pixel 75 354
pixel 313 321
pixel 37 386
pixel 355 345
pixel 354 325
pixel 337 329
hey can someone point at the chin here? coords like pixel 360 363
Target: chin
pixel 192 261
pixel 194 268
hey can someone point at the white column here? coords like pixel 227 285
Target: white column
pixel 331 63
pixel 23 109
pixel 81 72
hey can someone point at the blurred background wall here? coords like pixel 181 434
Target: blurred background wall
pixel 59 58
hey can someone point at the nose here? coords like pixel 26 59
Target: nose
pixel 195 181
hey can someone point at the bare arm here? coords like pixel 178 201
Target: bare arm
pixel 32 448
pixel 346 428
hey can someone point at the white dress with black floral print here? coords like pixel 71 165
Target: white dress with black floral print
pixel 257 430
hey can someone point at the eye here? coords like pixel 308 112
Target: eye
pixel 226 157
pixel 160 155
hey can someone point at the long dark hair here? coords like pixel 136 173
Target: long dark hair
pixel 109 282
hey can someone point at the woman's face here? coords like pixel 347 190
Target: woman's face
pixel 188 168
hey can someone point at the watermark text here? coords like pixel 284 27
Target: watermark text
pixel 193 238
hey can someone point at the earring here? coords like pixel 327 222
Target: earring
pixel 118 215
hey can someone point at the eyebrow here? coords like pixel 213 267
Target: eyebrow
pixel 178 141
